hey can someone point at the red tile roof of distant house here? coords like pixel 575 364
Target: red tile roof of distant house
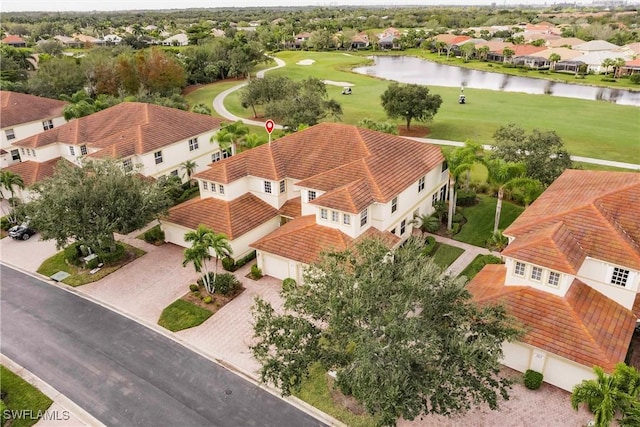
pixel 13 39
pixel 582 214
pixel 584 326
pixel 527 49
pixel 451 39
pixel 32 172
pixel 19 108
pixel 387 163
pixel 233 218
pixel 303 240
pixel 126 129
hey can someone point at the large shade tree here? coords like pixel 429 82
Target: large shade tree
pixel 410 102
pixel 91 203
pixel 404 339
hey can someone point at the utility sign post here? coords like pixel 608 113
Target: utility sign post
pixel 269 125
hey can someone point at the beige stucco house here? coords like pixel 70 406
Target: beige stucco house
pixel 571 276
pixel 315 190
pixel 153 139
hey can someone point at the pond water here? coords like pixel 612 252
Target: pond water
pixel 406 69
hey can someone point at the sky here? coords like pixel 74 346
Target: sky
pixel 84 5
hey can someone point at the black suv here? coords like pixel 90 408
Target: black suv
pixel 21 232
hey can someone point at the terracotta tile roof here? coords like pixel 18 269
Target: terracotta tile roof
pixel 127 128
pixel 233 218
pixel 451 39
pixel 636 306
pixel 598 213
pixel 353 197
pixel 292 208
pixel 527 50
pixel 584 326
pixel 389 163
pixel 32 172
pixel 18 108
pixel 303 240
pixel 13 39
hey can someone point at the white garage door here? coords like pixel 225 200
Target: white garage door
pixel 275 267
pixel 565 374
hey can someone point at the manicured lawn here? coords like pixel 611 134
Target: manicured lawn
pixel 476 265
pixel 181 315
pixel 315 391
pixel 445 255
pixel 588 128
pixel 21 396
pixel 80 276
pixel 479 225
pixel 206 93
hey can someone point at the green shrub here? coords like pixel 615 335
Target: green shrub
pixel 114 256
pixel 429 246
pixel 288 284
pixel 72 253
pixel 194 288
pixel 256 272
pixel 635 78
pixel 455 228
pixel 93 263
pixel 248 258
pixel 154 234
pixel 466 198
pixel 532 379
pixel 228 263
pixel 207 299
pixel 3 408
pixel 458 217
pixel 5 224
pixel 227 284
pixel 188 194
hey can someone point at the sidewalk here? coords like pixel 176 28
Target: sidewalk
pixel 470 252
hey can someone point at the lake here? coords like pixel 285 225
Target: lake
pixel 406 69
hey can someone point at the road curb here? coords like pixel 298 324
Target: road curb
pixel 51 392
pixel 292 400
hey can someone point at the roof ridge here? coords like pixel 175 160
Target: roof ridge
pixel 614 226
pixel 599 205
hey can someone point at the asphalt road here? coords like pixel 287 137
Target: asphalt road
pixel 122 372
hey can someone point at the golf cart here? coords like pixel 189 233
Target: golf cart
pixel 462 99
pixel 346 91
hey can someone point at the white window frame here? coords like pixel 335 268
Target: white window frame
pixel 221 189
pixel 267 187
pixel 157 156
pixel 346 219
pixel 205 185
pixel 364 217
pixel 403 226
pixel 553 279
pixel 10 134
pixel 213 187
pixel 216 157
pixel 335 216
pixel 421 184
pixel 620 276
pixel 324 213
pixel 311 195
pixel 517 267
pixel 15 154
pixel 394 205
pixel 47 124
pixel 83 150
pixel 193 144
pixel 283 186
pixel 536 274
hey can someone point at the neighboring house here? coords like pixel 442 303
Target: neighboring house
pixel 111 39
pixel 565 53
pixel 299 40
pixel 535 62
pixel 31 173
pixel 87 40
pixel 67 41
pixel 571 276
pixel 176 40
pixel 360 41
pixel 23 116
pixel 389 42
pixel 318 189
pixel 154 139
pixel 629 68
pixel 15 41
pixel 564 42
pixel 596 46
pixel 595 59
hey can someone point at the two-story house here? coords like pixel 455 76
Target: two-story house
pixel 571 276
pixel 153 139
pixel 314 190
pixel 23 116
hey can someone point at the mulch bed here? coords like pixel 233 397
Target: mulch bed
pixel 218 302
pixel 415 131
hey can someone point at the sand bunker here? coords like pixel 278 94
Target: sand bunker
pixel 331 82
pixel 305 62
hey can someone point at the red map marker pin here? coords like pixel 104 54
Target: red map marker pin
pixel 269 125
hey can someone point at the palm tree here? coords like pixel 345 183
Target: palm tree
pixel 252 140
pixel 459 160
pixel 602 396
pixel 229 135
pixel 199 254
pixel 554 57
pixel 483 52
pixel 9 181
pixel 201 109
pixel 508 54
pixel 221 247
pixel 606 64
pixel 189 167
pixel 502 174
pixel 427 223
pixel 617 64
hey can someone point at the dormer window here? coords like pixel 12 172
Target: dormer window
pixel 47 124
pixel 205 185
pixel 619 276
pixel 283 186
pixel 324 213
pixel 363 218
pixel 346 219
pixel 221 189
pixel 335 216
pixel 83 150
pixel 536 274
pixel 311 195
pixel 267 187
pixel 554 279
pixel 213 187
pixel 519 270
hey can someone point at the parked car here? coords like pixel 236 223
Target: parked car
pixel 21 232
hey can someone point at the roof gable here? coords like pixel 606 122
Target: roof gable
pixel 32 172
pixel 19 108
